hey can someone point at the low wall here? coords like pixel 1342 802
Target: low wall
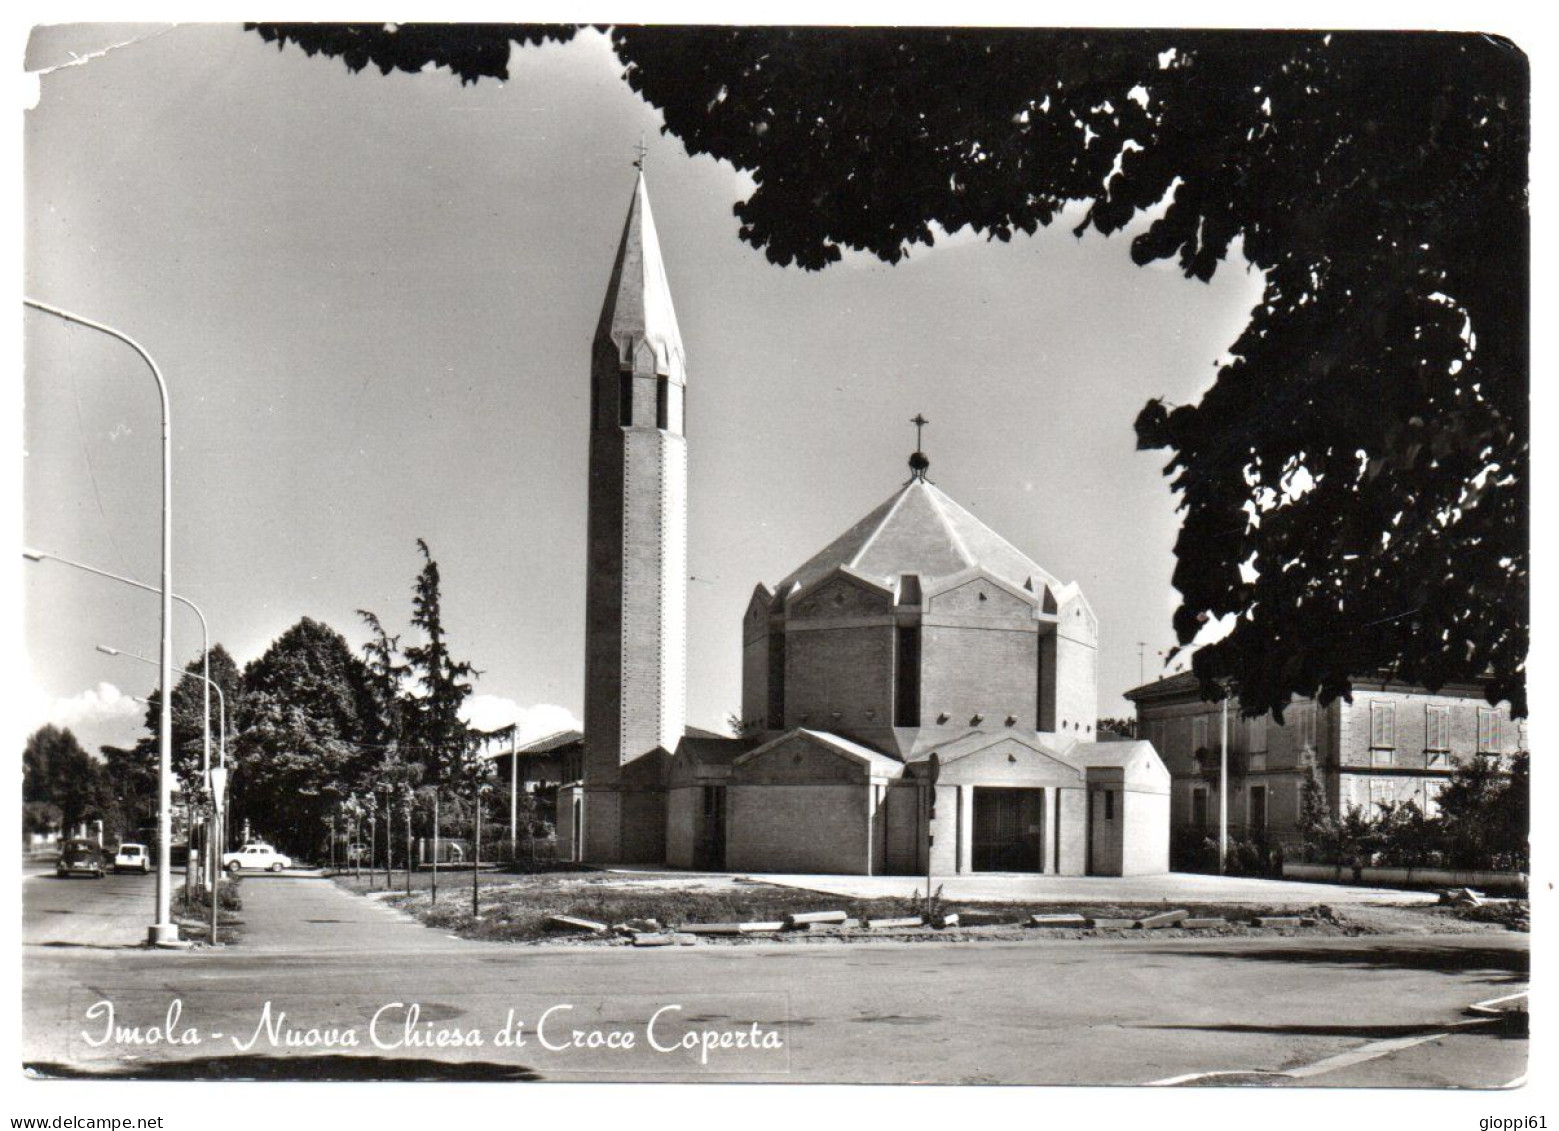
pixel 1416 877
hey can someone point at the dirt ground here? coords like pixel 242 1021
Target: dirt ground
pixel 515 909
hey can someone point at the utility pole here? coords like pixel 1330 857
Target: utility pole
pixel 1223 787
pixel 514 794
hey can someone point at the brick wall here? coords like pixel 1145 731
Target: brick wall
pixel 848 670
pixel 978 671
pixel 799 828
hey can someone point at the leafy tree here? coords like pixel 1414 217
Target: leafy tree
pixel 1355 481
pixel 308 710
pixel 41 817
pixel 59 780
pixel 1316 826
pixel 743 728
pixel 1126 728
pixel 1485 813
pixel 439 738
pixel 130 789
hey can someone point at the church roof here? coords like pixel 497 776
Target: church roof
pixel 921 530
pixel 638 298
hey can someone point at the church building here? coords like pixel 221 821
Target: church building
pixel 917 686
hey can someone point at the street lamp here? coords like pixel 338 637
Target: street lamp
pixel 215 776
pixel 205 637
pixel 163 932
pixel 206 769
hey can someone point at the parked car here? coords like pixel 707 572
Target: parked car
pixel 256 857
pixel 132 858
pixel 80 857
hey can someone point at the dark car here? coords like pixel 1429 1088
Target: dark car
pixel 80 857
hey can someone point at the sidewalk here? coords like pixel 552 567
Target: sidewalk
pixel 1176 887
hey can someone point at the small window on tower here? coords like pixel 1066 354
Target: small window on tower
pixel 625 400
pixel 662 402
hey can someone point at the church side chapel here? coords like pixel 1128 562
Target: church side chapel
pixel 919 685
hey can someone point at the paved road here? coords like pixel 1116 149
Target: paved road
pixel 1124 1011
pixel 114 911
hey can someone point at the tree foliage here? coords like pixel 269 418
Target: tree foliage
pixel 439 737
pixel 308 711
pixel 1354 482
pixel 62 785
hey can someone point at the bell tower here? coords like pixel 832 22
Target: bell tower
pixel 636 588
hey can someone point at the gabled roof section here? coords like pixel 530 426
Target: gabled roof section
pixel 921 530
pixel 878 764
pixel 638 298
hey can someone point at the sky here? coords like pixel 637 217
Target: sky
pixel 373 298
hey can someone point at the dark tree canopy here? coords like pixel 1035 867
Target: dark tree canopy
pixel 440 739
pixel 1355 482
pixel 60 780
pixel 308 709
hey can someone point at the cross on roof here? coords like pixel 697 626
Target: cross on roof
pixel 643 151
pixel 918 463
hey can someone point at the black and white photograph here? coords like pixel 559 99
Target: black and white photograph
pixel 777 553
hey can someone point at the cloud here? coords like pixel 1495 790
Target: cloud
pixel 96 715
pixel 489 712
pixel 96 706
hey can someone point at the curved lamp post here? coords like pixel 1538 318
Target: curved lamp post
pixel 215 777
pixel 163 931
pixel 205 638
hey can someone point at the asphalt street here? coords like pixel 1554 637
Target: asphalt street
pixel 316 963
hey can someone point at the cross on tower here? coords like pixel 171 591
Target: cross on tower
pixel 918 463
pixel 643 151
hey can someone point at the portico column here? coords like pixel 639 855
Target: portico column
pixel 1052 830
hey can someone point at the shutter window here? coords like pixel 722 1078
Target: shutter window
pixel 1383 725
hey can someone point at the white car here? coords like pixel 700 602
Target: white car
pixel 257 857
pixel 132 858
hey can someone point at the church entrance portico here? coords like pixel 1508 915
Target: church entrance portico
pixel 1009 830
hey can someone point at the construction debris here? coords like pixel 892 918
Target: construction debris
pixel 569 923
pixel 1162 919
pixel 1075 922
pixel 807 918
pixel 678 939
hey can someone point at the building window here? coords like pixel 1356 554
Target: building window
pixel 1199 808
pixel 662 403
pixel 1432 798
pixel 1109 805
pixel 1383 726
pixel 625 399
pixel 906 684
pixel 1437 727
pixel 1258 806
pixel 1198 733
pixel 1256 735
pixel 1488 730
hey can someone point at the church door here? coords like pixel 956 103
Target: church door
pixel 1009 830
pixel 709 854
